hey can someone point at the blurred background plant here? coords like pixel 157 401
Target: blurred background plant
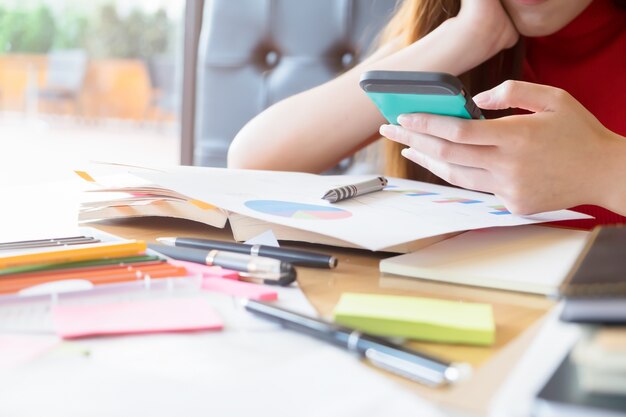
pixel 105 32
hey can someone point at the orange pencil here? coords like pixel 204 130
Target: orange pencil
pixel 95 251
pixel 16 285
pixel 88 275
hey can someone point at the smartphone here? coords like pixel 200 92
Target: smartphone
pixel 400 92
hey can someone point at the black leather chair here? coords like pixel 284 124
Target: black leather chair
pixel 253 53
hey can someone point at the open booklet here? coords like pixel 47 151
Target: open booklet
pixel 124 195
pixel 404 216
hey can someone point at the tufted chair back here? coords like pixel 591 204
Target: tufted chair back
pixel 253 53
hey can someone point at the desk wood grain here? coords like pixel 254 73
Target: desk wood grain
pixel 517 315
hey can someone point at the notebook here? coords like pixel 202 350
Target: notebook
pixel 533 259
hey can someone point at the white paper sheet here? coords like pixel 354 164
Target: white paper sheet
pixel 39 211
pixel 266 238
pixel 252 367
pixel 405 211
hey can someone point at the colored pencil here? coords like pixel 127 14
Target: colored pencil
pixel 96 251
pixel 15 285
pixel 127 260
pixel 83 271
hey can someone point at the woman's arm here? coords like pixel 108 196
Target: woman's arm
pixel 559 156
pixel 312 131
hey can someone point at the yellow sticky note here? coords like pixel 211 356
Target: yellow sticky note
pixel 418 318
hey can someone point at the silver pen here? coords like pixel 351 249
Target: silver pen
pixel 380 352
pixel 353 190
pixel 257 269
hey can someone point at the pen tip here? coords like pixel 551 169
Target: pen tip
pixel 166 240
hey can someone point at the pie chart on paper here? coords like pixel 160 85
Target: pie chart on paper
pixel 297 210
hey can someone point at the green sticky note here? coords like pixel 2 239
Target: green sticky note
pixel 418 318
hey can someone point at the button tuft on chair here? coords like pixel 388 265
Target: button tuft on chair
pixel 271 58
pixel 347 59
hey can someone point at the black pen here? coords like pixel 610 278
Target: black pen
pixel 380 352
pixel 293 256
pixel 258 269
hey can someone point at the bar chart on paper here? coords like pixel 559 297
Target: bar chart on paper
pixel 297 210
pixel 438 198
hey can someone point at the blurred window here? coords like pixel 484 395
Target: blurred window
pixel 98 79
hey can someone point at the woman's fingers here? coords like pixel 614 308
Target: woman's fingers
pixel 438 148
pixel 467 177
pixel 521 95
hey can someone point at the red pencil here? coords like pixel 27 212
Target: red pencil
pixel 15 285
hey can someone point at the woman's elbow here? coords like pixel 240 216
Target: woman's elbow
pixel 239 152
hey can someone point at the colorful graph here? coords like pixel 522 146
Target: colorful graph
pixel 297 210
pixel 412 193
pixel 458 200
pixel 499 210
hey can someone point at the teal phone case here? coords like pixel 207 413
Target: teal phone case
pixel 401 92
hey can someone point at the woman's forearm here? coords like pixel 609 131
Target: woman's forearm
pixel 314 130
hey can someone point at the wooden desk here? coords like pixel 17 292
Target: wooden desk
pixel 517 315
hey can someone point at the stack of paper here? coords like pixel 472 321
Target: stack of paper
pixel 533 259
pixel 124 195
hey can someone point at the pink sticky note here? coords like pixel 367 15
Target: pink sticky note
pixel 239 289
pixel 205 270
pixel 141 316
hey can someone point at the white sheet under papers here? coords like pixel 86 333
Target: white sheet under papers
pixel 404 212
pixel 41 211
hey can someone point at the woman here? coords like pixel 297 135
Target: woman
pixel 558 156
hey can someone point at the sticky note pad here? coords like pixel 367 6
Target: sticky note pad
pixel 239 289
pixel 135 317
pixel 418 318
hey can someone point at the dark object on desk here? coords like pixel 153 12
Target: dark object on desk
pixel 256 269
pixel 600 270
pixel 595 290
pixel 381 352
pixel 563 396
pixel 595 310
pixel 293 256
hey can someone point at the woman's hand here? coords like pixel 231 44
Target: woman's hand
pixel 486 26
pixel 558 157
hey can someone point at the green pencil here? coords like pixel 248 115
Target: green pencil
pixel 79 264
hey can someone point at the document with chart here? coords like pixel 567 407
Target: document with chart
pixel 404 211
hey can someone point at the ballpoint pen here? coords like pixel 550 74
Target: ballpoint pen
pixel 258 269
pixel 381 352
pixel 293 256
pixel 353 190
pixel 34 244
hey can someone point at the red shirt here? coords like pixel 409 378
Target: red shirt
pixel 587 58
